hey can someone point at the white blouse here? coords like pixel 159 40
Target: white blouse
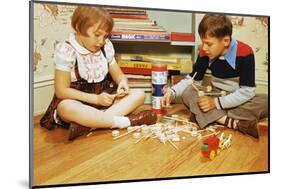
pixel 92 67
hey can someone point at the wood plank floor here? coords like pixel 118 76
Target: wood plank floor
pixel 99 158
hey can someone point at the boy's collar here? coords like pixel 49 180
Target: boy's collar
pixel 230 55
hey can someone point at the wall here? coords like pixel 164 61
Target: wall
pixel 52 25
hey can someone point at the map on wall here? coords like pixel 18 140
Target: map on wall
pixel 254 31
pixel 52 24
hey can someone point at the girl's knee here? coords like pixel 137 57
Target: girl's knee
pixel 67 106
pixel 138 93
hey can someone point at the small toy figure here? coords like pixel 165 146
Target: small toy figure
pixel 225 141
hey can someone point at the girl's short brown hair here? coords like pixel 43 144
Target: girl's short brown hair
pixel 215 25
pixel 85 17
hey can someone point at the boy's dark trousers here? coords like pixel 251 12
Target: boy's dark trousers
pixel 254 109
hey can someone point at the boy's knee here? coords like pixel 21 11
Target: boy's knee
pixel 186 95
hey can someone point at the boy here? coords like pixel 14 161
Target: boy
pixel 232 67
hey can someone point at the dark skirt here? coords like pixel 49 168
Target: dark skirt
pixel 107 85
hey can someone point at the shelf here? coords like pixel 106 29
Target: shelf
pixel 182 43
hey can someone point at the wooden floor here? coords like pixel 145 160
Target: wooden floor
pixel 99 158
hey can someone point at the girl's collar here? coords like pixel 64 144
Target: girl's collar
pixel 80 49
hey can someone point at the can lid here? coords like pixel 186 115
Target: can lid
pixel 159 67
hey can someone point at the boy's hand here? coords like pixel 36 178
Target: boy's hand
pixel 167 98
pixel 206 103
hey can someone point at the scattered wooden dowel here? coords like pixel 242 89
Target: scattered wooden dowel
pixel 194 75
pixel 145 136
pixel 201 137
pixel 194 86
pixel 173 144
pixel 124 134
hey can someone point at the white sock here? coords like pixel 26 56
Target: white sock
pixel 121 122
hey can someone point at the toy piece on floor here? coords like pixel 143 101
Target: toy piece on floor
pixel 137 135
pixel 181 120
pixel 130 131
pixel 170 129
pixel 225 141
pixel 214 144
pixel 115 133
pixel 210 147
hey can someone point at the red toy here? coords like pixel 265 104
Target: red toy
pixel 211 147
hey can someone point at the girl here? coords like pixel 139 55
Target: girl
pixel 90 89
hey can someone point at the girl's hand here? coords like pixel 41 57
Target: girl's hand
pixel 123 88
pixel 106 99
pixel 167 98
pixel 206 103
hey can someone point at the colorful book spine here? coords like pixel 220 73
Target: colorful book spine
pixel 134 16
pixel 141 37
pixel 188 37
pixel 147 58
pixel 147 65
pixel 138 71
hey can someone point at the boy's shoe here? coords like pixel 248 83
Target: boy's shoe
pixel 248 127
pixel 144 117
pixel 76 130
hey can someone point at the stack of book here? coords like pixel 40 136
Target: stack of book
pixel 140 64
pixel 135 25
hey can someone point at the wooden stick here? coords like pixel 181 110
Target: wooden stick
pixel 195 87
pixel 145 136
pixel 209 135
pixel 178 119
pixel 194 75
pixel 124 134
pixel 173 144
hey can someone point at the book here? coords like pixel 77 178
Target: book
pixel 140 35
pixel 145 71
pixel 134 16
pixel 147 65
pixel 138 71
pixel 188 37
pixel 139 84
pixel 138 28
pixel 133 76
pixel 147 58
pixel 115 9
pixel 133 22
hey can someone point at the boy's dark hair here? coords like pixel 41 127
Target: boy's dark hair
pixel 215 25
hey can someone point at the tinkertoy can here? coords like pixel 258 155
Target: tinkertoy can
pixel 159 82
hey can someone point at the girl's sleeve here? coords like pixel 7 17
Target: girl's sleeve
pixel 109 52
pixel 64 57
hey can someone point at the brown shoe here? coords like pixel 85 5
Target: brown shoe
pixel 248 127
pixel 144 117
pixel 76 130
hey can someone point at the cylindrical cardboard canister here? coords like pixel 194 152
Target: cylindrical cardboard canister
pixel 159 81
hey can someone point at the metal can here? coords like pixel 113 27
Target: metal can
pixel 159 77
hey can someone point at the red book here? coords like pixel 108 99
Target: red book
pixel 138 71
pixel 189 37
pixel 135 16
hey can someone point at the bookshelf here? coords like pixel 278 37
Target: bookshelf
pixel 171 35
